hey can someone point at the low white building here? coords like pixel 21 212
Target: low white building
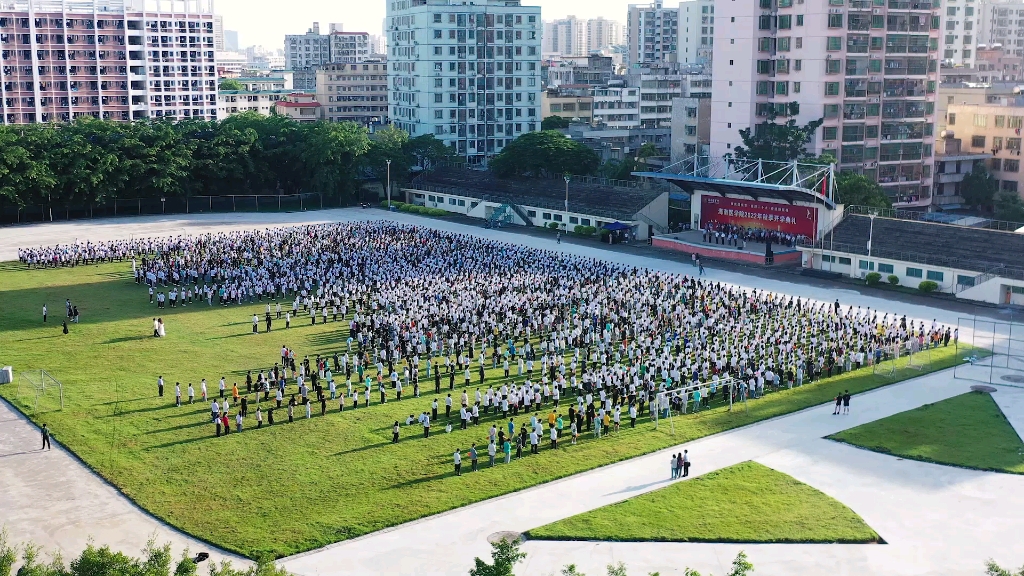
pixel 541 202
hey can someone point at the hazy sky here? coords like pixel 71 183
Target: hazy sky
pixel 265 22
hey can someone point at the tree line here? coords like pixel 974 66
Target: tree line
pixel 92 162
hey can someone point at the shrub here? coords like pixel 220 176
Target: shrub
pixel 384 204
pixel 927 286
pixel 605 234
pixel 873 278
pixel 585 230
pixel 437 212
pixel 894 279
pixel 553 225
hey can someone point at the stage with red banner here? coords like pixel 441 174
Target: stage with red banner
pixel 785 218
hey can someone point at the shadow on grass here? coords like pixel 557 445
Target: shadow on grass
pixel 362 448
pixel 180 427
pixel 129 338
pixel 425 479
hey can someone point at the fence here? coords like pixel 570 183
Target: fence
pixel 12 214
pixel 929 217
pixel 1003 340
pixel 981 266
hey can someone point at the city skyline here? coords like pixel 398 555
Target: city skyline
pixel 255 29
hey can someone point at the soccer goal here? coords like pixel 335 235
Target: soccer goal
pixel 884 360
pixel 918 358
pixel 44 389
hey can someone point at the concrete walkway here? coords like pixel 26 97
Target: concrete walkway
pixel 1011 402
pixel 51 499
pixel 936 519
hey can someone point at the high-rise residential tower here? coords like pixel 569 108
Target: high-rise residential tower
pixel 109 59
pixel 652 32
pixel 868 69
pixel 467 73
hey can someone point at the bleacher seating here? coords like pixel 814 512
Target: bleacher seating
pixel 930 243
pixel 611 202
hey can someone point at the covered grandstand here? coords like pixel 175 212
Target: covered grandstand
pixel 543 201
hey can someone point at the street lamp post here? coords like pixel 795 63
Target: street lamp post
pixel 567 178
pixel 871 234
pixel 389 184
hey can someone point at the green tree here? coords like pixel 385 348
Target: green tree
pixel 740 567
pixel 8 553
pixel 230 84
pixel 505 554
pixel 1009 206
pixel 427 150
pixel 555 123
pixel 993 569
pixel 978 188
pixel 545 153
pixel 567 570
pixel 855 189
pixel 783 142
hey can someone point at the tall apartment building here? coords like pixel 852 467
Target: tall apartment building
pixel 467 73
pixel 602 33
pixel 960 28
pixel 218 33
pixel 350 47
pixel 696 32
pixel 870 71
pixel 652 32
pixel 354 92
pixel 304 53
pixel 109 59
pixel 565 37
pixel 1003 23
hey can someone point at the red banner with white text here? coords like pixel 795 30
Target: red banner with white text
pixel 785 218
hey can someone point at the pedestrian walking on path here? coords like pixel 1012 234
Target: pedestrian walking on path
pixel 686 463
pixel 46 437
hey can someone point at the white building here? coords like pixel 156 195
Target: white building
pixel 565 37
pixel 617 107
pixel 652 33
pixel 304 53
pixel 1003 23
pixel 231 63
pixel 467 73
pixel 603 33
pixel 696 32
pixel 108 59
pixel 960 28
pixel 350 47
pixel 218 33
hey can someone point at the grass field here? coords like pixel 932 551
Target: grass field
pixel 747 502
pixel 967 430
pixel 286 488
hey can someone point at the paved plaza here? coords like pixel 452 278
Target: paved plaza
pixel 934 519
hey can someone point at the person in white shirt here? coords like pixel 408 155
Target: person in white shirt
pixel 457 457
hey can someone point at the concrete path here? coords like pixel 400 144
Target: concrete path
pixel 937 520
pixel 1011 402
pixel 51 499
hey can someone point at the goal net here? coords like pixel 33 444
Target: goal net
pixel 41 390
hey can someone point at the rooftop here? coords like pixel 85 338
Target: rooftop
pixel 601 201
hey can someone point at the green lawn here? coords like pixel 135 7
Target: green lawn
pixel 287 488
pixel 747 503
pixel 967 430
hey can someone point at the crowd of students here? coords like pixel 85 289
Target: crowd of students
pixel 566 344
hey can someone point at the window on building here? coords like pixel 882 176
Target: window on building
pixel 829 133
pixel 843 261
pixel 547 215
pixel 1009 185
pixel 574 220
pixel 914 272
pixel 951 119
pixel 885 268
pixel 935 276
pixel 965 280
pixel 866 265
pixel 834 43
pixel 799 19
pixel 980 120
pixel 978 141
pixel 831 88
pixel 835 21
pixel 453 202
pixel 558 217
pixel 531 213
pixel 1011 165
